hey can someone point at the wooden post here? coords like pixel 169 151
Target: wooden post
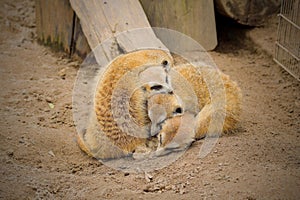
pixel 194 18
pixel 54 20
pixel 59 28
pixel 95 21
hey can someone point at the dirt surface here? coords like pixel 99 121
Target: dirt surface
pixel 41 160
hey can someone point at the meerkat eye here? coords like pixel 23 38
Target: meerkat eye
pixel 178 110
pixel 164 62
pixel 156 87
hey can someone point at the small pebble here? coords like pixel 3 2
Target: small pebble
pixel 49 99
pixel 10 152
pixel 51 153
pixel 148 177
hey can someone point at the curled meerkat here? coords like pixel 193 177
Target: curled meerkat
pixel 124 87
pixel 162 120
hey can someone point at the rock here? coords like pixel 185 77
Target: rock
pixel 168 187
pixel 62 73
pixel 51 153
pixel 51 105
pixel 148 177
pixel 147 188
pixel 206 184
pixel 10 153
pixel 174 187
pixel 49 99
pixel 182 191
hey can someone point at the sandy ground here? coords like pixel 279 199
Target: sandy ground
pixel 41 160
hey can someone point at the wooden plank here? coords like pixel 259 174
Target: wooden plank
pixel 103 21
pixel 194 18
pixel 54 23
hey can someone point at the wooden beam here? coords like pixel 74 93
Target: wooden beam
pixel 195 18
pixel 54 23
pixel 103 22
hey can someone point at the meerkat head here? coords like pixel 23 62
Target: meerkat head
pixel 155 79
pixel 139 103
pixel 161 107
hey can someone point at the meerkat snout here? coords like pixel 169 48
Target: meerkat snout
pixel 161 107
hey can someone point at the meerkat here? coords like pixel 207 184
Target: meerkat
pixel 226 116
pixel 106 137
pixel 176 125
pixel 161 106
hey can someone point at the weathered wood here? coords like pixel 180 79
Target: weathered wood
pixel 107 19
pixel 54 23
pixel 194 18
pixel 103 21
pixel 248 12
pixel 80 46
pixel 59 28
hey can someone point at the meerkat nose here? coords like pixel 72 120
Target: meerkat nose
pixel 178 110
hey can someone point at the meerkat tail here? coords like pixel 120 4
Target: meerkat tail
pixel 83 146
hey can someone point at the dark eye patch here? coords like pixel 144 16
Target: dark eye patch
pixel 156 87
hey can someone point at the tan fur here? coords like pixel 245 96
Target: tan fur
pixel 169 130
pixel 103 128
pixel 162 107
pixel 169 101
pixel 176 134
pixel 104 138
pixel 200 78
